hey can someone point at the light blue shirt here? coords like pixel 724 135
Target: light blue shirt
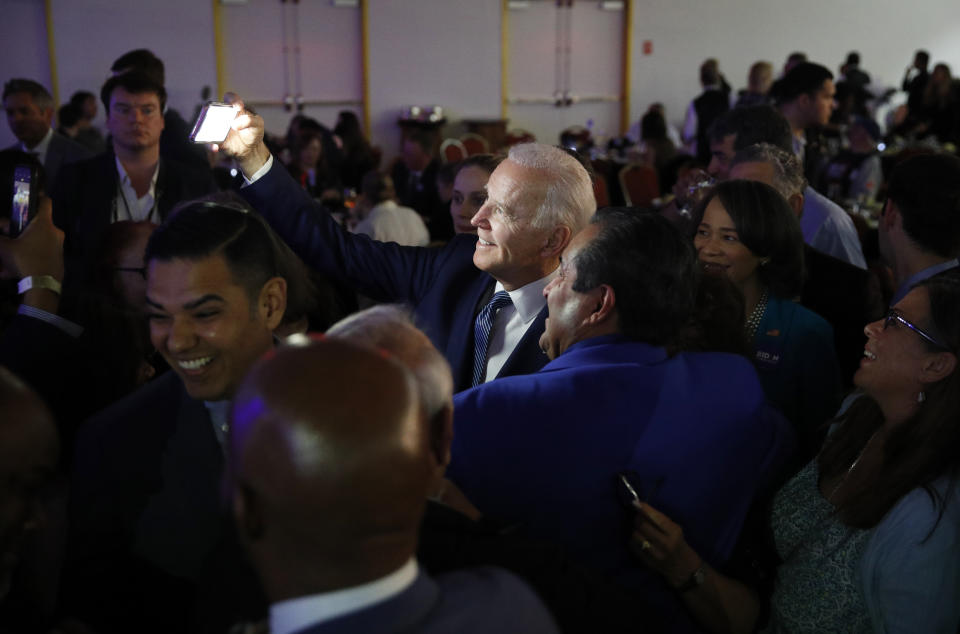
pixel 919 276
pixel 829 229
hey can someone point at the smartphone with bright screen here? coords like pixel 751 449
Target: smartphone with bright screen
pixel 214 121
pixel 24 205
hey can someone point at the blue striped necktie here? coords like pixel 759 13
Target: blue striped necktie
pixel 481 334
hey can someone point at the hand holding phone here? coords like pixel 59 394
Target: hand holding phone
pixel 23 206
pixel 214 122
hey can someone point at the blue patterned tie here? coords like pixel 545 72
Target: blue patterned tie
pixel 481 334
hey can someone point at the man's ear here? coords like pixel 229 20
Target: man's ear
pixel 48 116
pixel 441 436
pixel 246 513
pixel 939 366
pixel 556 241
pixel 273 301
pixel 796 203
pixel 605 303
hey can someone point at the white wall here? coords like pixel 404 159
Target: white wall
pixel 424 52
pixel 23 48
pixel 447 52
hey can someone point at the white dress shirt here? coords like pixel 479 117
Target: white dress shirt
pixel 127 205
pixel 390 222
pixel 40 149
pixel 512 321
pixel 297 614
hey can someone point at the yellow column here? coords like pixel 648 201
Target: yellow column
pixel 365 63
pixel 52 51
pixel 627 56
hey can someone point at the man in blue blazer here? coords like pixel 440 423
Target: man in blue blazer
pixel 479 298
pixel 329 487
pixel 689 431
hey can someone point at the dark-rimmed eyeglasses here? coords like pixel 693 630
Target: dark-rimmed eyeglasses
pixel 894 316
pixel 141 270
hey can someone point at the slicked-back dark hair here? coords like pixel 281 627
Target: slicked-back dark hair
pixel 803 79
pixel 767 226
pixel 926 190
pixel 651 267
pixel 143 61
pixel 220 225
pixel 134 83
pixel 752 125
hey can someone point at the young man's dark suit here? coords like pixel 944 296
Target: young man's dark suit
pixel 152 547
pixel 443 286
pixel 84 199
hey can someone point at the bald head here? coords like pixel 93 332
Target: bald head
pixel 28 457
pixel 331 465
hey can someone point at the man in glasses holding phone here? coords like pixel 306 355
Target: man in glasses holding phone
pixel 920 222
pixel 130 181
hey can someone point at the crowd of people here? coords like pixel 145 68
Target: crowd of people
pixel 737 410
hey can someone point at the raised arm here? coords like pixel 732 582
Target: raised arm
pixel 383 271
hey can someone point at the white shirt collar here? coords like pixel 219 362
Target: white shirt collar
pixel 125 178
pixel 528 300
pixel 296 614
pixel 220 418
pixel 41 148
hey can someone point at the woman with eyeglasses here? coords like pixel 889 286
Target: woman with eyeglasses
pixel 749 233
pixel 868 533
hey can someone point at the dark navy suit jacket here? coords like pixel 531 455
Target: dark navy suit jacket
pixel 478 600
pixel 544 450
pixel 84 197
pixel 152 547
pixel 444 287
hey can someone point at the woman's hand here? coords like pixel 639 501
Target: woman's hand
pixel 659 543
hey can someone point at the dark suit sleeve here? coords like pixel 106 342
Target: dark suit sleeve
pixel 383 271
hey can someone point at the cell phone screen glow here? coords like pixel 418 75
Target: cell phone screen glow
pixel 213 124
pixel 20 216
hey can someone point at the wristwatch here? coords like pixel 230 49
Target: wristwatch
pixel 696 579
pixel 38 281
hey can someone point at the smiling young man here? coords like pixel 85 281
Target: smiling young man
pixel 691 429
pixel 480 298
pixel 146 498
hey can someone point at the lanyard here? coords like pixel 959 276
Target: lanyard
pixel 126 205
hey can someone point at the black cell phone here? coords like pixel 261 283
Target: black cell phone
pixel 25 198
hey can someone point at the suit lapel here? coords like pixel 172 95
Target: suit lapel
pixel 527 357
pixel 181 523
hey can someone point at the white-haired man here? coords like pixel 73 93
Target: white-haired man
pixel 479 298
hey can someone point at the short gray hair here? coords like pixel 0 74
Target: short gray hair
pixel 788 176
pixel 568 197
pixel 390 327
